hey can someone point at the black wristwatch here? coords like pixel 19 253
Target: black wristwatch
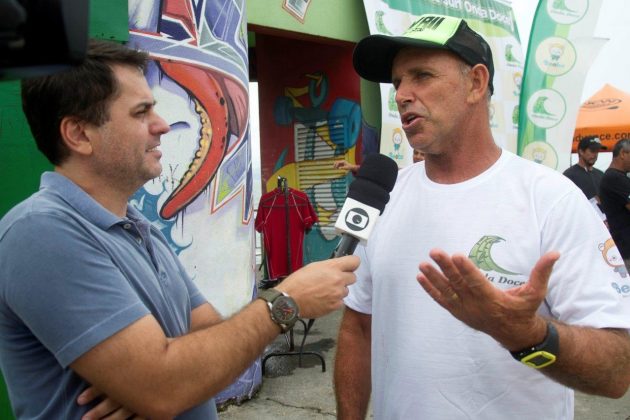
pixel 543 354
pixel 284 311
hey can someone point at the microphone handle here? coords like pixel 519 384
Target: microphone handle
pixel 346 246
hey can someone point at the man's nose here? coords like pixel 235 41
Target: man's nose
pixel 160 125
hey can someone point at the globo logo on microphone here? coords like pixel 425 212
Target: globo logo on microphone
pixel 357 219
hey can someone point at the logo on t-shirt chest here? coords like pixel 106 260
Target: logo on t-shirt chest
pixel 481 256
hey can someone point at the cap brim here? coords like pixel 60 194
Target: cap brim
pixel 373 56
pixel 596 146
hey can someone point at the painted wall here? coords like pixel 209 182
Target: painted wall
pixel 202 202
pixel 302 83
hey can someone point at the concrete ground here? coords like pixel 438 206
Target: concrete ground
pixel 305 393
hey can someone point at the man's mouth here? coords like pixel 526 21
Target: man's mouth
pixel 408 119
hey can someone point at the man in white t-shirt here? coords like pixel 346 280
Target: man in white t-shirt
pixel 519 305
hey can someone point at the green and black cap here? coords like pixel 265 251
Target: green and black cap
pixel 373 56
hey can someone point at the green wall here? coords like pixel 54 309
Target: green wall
pixel 21 164
pixel 337 19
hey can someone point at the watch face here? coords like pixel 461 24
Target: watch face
pixel 284 310
pixel 539 359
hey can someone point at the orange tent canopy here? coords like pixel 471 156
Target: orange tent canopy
pixel 605 115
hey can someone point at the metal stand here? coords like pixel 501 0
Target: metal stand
pixel 282 184
pixel 292 351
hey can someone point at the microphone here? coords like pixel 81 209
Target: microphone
pixel 366 200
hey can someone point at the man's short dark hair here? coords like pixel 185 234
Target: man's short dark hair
pixel 84 92
pixel 623 144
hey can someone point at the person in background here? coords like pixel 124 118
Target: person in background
pixel 614 192
pixel 583 173
pixel 92 299
pixel 518 306
pixel 418 156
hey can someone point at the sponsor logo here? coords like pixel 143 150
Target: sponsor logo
pixel 397 139
pixel 510 58
pixel 391 102
pixel 481 255
pixel 613 258
pixel 518 81
pixel 541 152
pixel 426 23
pixel 596 105
pixel 380 22
pixel 555 56
pixel 622 289
pixel 567 12
pixel 546 108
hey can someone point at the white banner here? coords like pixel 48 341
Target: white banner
pixel 561 50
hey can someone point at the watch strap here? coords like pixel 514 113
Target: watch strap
pixel 542 354
pixel 270 295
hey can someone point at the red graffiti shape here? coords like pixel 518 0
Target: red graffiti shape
pixel 213 109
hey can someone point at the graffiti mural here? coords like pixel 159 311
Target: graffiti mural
pixel 321 136
pixel 202 202
pixel 310 117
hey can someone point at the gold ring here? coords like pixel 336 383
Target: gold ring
pixel 454 296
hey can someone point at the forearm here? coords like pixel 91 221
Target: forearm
pixel 213 358
pixel 204 316
pixel 594 361
pixel 156 376
pixel 160 377
pixel 352 375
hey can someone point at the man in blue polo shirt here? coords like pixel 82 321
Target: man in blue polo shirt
pixel 91 294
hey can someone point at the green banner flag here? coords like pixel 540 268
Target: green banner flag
pixel 560 51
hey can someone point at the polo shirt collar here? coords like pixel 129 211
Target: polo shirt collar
pixel 81 201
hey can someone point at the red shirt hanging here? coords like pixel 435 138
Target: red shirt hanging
pixel 271 220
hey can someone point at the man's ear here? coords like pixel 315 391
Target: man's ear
pixel 479 76
pixel 74 135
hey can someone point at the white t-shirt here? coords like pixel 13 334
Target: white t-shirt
pixel 428 365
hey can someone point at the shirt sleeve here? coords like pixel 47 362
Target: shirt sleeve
pixel 65 288
pixel 587 284
pixel 360 293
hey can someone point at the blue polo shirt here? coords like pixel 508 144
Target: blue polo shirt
pixel 71 275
